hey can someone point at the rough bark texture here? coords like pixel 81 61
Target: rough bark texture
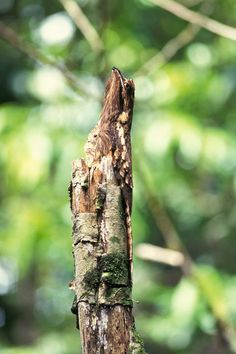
pixel 101 201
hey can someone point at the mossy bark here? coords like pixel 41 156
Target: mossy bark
pixel 103 283
pixel 102 272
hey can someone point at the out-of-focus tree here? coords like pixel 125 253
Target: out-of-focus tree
pixel 55 56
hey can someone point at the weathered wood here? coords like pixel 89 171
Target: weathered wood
pixel 107 328
pixel 101 201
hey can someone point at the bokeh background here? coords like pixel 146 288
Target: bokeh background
pixel 55 58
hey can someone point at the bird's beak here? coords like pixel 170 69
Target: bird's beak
pixel 121 77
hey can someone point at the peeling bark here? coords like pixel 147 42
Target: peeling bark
pixel 101 199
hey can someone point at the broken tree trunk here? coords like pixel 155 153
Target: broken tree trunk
pixel 101 202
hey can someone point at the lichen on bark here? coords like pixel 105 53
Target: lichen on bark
pixel 101 265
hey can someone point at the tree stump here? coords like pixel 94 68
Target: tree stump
pixel 101 203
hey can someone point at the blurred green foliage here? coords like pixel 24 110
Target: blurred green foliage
pixel 184 151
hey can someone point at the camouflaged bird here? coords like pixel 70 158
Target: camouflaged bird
pixel 111 137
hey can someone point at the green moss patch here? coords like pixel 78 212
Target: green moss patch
pixel 92 279
pixel 137 346
pixel 114 269
pixel 115 239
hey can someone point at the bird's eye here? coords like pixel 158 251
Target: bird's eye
pixel 128 87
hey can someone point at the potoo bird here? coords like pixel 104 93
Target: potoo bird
pixel 111 137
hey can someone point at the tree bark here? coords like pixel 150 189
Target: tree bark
pixel 101 201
